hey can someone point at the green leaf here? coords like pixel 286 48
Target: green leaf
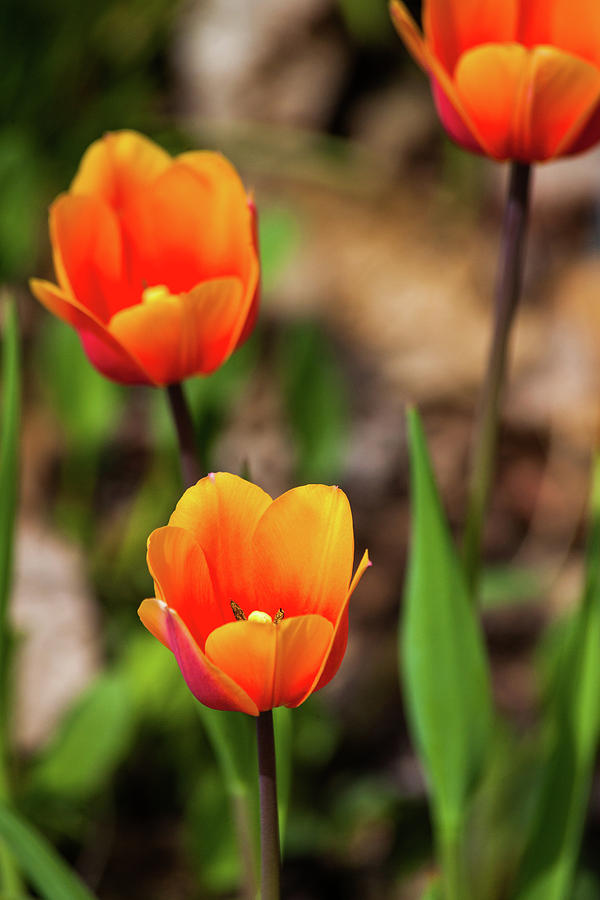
pixel 44 868
pixel 9 455
pixel 433 891
pixel 551 853
pixel 91 742
pixel 443 661
pixel 316 400
pixel 9 466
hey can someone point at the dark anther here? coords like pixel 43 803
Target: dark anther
pixel 238 612
pixel 278 616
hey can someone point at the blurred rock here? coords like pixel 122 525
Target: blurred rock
pixel 58 652
pixel 265 60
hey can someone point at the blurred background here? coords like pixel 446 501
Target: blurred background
pixel 378 244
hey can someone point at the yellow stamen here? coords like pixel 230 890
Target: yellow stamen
pixel 156 292
pixel 262 617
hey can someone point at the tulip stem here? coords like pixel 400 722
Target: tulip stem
pixel 508 290
pixel 270 856
pixel 184 425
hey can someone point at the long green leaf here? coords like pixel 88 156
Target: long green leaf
pixel 551 853
pixel 47 872
pixel 9 456
pixel 443 663
pixel 9 462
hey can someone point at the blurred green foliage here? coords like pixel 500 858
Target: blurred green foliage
pixel 70 71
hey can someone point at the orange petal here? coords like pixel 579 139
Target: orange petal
pixel 542 99
pixel 275 664
pixel 178 336
pixel 340 633
pixel 221 512
pixel 153 614
pixel 88 257
pixel 453 26
pixel 178 567
pixel 187 228
pixel 535 22
pixel 118 166
pixel 103 350
pixel 253 312
pixel 207 682
pixel 453 114
pixel 304 549
pixel 576 30
pixel 232 215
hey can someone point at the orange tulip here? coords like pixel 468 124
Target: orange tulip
pixel 155 258
pixel 512 79
pixel 252 593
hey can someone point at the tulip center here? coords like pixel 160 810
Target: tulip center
pixel 256 615
pixel 156 292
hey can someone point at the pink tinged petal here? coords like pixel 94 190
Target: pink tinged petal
pixel 182 580
pixel 275 664
pixel 207 682
pixel 101 348
pixel 453 123
pixel 453 114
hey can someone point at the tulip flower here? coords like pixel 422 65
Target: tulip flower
pixel 252 593
pixel 511 79
pixel 155 259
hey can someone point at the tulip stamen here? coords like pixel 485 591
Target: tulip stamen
pixel 237 611
pixel 262 617
pixel 279 615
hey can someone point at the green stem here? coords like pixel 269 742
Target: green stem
pixel 508 291
pixel 454 882
pixel 188 452
pixel 270 855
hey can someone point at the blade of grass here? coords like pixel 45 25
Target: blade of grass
pixel 47 872
pixel 9 461
pixel 551 853
pixel 444 667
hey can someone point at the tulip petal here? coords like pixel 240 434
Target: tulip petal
pixel 118 166
pixel 340 633
pixel 304 550
pixel 275 664
pixel 453 26
pixel 103 350
pixel 576 30
pixel 182 579
pixel 178 336
pixel 188 228
pixel 542 98
pixel 535 22
pixel 207 682
pixel 254 306
pixel 453 114
pixel 221 511
pixel 153 614
pixel 88 254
